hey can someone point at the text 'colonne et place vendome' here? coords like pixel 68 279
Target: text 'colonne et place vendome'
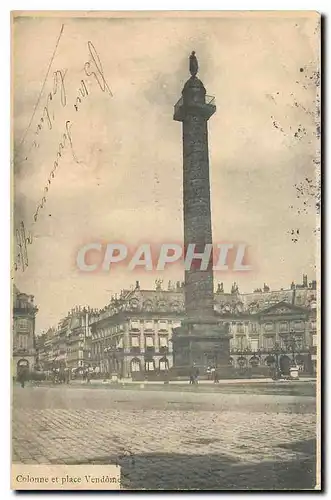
pixel 201 340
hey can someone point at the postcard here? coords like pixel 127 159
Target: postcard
pixel 166 198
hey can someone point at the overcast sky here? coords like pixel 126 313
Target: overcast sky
pixel 127 183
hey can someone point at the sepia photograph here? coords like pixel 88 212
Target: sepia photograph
pixel 165 250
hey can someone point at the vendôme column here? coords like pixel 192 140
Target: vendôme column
pixel 200 341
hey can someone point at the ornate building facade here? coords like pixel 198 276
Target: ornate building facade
pixel 133 334
pixel 23 340
pixel 68 345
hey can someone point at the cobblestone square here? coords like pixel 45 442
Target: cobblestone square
pixel 170 440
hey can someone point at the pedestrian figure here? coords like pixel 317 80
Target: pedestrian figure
pixel 212 373
pixel 196 376
pixel 21 378
pixel 192 376
pixel 216 378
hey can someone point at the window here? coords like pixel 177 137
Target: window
pixel 23 325
pixel 80 354
pixel 269 342
pixel 135 341
pixel 23 341
pixel 149 341
pixel 313 325
pixel 299 342
pixel 253 327
pixel 148 305
pixel 135 325
pixel 283 326
pixel 240 328
pixel 149 366
pixel 163 325
pixel 149 325
pixel 135 365
pixel 163 341
pixel 314 340
pixel 254 344
pixel 241 342
pixel 269 327
pixel 164 364
pixel 299 325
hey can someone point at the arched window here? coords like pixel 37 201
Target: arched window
pixel 242 361
pixel 270 360
pixel 135 365
pixel 149 365
pixel 163 364
pixel 254 361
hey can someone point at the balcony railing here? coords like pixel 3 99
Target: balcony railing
pixel 208 100
pixel 267 350
pixel 135 350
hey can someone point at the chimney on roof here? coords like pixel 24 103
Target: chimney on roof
pixel 137 285
pixel 305 281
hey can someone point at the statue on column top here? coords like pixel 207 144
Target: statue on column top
pixel 193 64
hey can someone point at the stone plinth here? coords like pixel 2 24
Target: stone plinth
pixel 199 345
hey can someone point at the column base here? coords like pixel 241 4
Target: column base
pixel 202 344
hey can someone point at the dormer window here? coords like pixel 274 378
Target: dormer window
pixel 148 305
pixel 134 303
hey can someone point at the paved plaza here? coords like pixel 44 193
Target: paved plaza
pixel 170 439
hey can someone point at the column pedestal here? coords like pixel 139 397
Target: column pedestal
pixel 202 344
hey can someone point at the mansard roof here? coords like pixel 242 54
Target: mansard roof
pixel 234 304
